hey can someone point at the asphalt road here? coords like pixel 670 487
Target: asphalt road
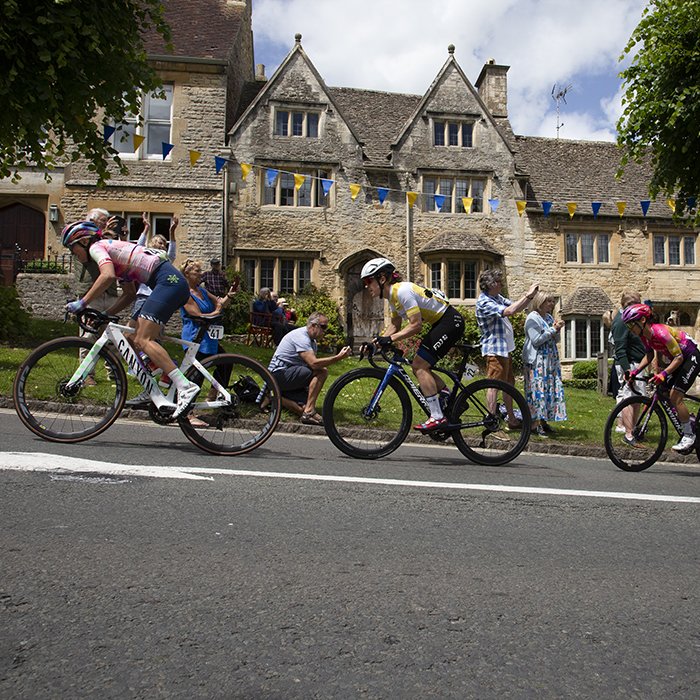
pixel 136 566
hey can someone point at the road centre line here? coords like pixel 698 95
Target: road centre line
pixel 42 462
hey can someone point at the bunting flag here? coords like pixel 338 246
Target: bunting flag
pixel 108 131
pixel 521 206
pixel 382 192
pixel 219 162
pixel 354 191
pixel 691 202
pixel 571 206
pixel 271 175
pixel 326 184
pixel 299 181
pixel 645 206
pixel 546 206
pixel 494 204
pixel 138 140
pixel 194 157
pixel 167 147
pixel 439 201
pixel 467 203
pixel 245 169
pixel 672 204
pixel 621 206
pixel 411 196
pixel 596 208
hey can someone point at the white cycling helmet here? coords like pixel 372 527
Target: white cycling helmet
pixel 377 266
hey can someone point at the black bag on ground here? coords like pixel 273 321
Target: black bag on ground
pixel 246 389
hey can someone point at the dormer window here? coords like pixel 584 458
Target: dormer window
pixel 303 124
pixel 453 134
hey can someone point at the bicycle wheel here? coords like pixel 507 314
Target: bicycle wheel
pixel 53 412
pixel 650 430
pixel 484 437
pixel 357 432
pixel 251 417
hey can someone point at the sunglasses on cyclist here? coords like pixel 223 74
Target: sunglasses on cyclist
pixel 632 324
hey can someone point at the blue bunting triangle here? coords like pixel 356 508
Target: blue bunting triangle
pixel 271 175
pixel 596 208
pixel 167 147
pixel 494 204
pixel 546 206
pixel 439 201
pixel 108 131
pixel 220 162
pixel 382 192
pixel 645 206
pixel 327 184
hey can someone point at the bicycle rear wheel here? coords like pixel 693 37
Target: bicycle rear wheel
pixel 356 431
pixel 650 430
pixel 53 412
pixel 251 417
pixel 485 437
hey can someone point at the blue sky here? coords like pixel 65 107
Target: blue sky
pixel 400 45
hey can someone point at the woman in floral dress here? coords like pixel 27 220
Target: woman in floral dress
pixel 544 390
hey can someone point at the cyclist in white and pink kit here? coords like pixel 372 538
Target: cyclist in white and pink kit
pixel 132 264
pixel 677 347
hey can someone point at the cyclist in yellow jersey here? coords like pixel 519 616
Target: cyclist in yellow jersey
pixel 415 304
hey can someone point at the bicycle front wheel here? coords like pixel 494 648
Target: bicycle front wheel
pixel 484 437
pixel 55 412
pixel 252 415
pixel 650 431
pixel 353 428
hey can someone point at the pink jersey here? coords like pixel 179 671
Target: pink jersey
pixel 132 262
pixel 669 341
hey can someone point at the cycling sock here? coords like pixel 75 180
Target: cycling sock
pixel 179 379
pixel 687 429
pixel 434 403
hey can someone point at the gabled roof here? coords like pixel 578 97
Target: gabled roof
pixel 464 241
pixel 587 301
pixel 203 29
pixel 296 52
pixel 422 105
pixel 562 171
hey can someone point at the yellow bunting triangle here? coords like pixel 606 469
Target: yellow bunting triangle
pixel 521 206
pixel 299 181
pixel 138 140
pixel 245 169
pixel 411 198
pixel 571 206
pixel 621 206
pixel 672 203
pixel 467 203
pixel 194 157
pixel 355 190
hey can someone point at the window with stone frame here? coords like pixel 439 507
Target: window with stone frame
pixel 676 250
pixel 285 274
pixel 457 275
pixel 454 189
pixel 301 123
pixel 283 192
pixel 453 133
pixel 155 125
pixel 160 224
pixel 583 337
pixel 587 248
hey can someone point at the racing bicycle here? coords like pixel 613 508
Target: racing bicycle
pixel 236 410
pixel 367 412
pixel 650 429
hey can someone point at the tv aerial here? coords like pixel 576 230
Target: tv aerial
pixel 559 94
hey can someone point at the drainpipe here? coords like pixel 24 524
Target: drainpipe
pixel 224 228
pixel 409 242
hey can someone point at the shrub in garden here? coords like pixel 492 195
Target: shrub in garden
pixel 312 299
pixel 14 321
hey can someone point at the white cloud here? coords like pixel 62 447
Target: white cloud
pixel 400 45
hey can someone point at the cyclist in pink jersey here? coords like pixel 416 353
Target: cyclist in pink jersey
pixel 684 367
pixel 131 264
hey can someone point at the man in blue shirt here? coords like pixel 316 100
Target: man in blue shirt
pixel 497 339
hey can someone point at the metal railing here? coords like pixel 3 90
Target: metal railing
pixel 19 260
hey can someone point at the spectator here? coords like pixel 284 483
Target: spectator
pixel 215 280
pixel 629 352
pixel 299 374
pixel 544 390
pixel 265 304
pixel 497 338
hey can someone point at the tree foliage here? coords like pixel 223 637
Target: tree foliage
pixel 66 67
pixel 661 117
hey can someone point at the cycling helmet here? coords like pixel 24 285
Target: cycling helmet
pixel 635 312
pixel 376 267
pixel 78 230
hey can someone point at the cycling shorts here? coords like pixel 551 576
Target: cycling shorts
pixel 686 374
pixel 170 291
pixel 447 331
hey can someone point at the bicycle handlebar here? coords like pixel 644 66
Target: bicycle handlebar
pixel 91 319
pixel 371 348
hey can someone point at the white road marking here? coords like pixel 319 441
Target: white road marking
pixel 57 464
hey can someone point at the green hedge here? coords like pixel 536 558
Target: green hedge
pixel 590 384
pixel 14 321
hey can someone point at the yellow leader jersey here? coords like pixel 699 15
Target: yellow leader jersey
pixel 407 299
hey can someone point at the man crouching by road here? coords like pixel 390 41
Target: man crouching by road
pixel 299 374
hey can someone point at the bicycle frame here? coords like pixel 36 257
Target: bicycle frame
pixel 114 333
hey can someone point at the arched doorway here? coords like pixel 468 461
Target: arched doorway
pixel 23 226
pixel 365 314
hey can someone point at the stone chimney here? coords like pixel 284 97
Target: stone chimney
pixel 492 85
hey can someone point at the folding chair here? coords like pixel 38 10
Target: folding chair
pixel 259 329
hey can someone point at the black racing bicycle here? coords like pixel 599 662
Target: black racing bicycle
pixel 367 412
pixel 650 429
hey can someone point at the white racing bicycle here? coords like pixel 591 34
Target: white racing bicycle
pixel 236 410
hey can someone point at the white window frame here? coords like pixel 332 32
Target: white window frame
pixel 597 237
pixel 687 253
pixel 568 336
pixel 438 271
